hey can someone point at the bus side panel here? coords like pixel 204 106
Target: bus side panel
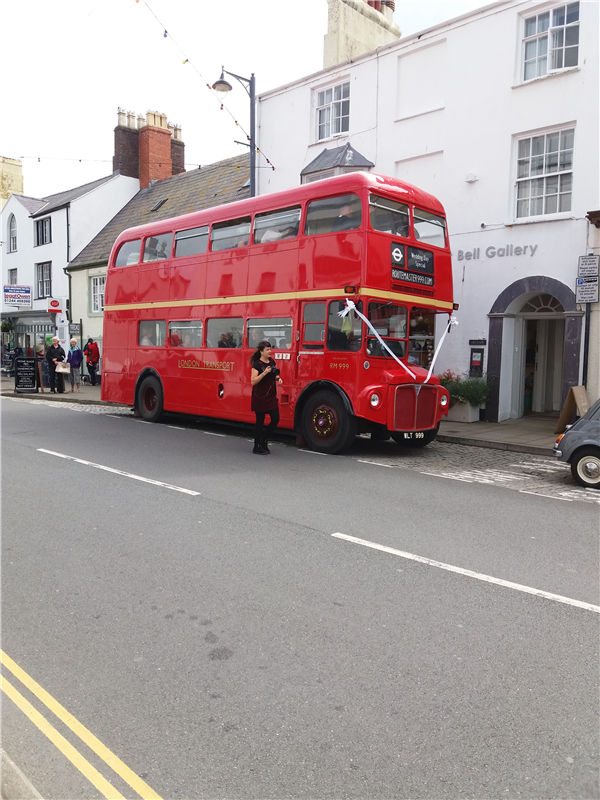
pixel 188 282
pixel 227 274
pixel 153 281
pixel 273 268
pixel 121 285
pixel 330 261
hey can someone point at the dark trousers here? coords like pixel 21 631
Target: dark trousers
pixel 56 380
pixel 92 370
pixel 259 431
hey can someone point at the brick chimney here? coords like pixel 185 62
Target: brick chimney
pixel 149 149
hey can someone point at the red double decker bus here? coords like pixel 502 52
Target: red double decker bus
pixel 188 298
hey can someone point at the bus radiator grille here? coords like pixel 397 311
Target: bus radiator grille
pixel 415 410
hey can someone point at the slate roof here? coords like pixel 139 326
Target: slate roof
pixel 32 204
pixel 213 185
pixel 54 201
pixel 345 156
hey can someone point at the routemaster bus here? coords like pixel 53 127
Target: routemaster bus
pixel 187 299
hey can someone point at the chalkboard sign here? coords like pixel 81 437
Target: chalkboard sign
pixel 26 375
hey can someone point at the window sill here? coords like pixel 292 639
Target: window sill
pixel 537 220
pixel 337 138
pixel 546 77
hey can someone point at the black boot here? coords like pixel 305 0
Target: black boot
pixel 258 448
pixel 265 445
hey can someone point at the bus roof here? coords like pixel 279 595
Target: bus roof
pixel 337 185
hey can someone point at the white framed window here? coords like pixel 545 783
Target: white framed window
pixel 551 41
pixel 44 279
pixel 545 173
pixel 97 294
pixel 43 231
pixel 333 110
pixel 12 234
pixel 12 277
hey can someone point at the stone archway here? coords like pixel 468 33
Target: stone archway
pixel 505 305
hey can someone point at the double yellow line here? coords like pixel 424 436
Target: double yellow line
pixel 88 738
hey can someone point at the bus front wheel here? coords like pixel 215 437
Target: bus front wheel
pixel 418 439
pixel 150 399
pixel 327 426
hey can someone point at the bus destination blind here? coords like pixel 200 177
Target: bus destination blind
pixel 411 264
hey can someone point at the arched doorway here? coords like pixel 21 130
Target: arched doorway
pixel 534 348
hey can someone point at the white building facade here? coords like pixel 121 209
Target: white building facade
pixel 495 113
pixel 39 238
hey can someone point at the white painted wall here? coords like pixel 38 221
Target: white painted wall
pixel 91 212
pixel 437 106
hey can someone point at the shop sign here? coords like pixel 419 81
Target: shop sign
pixel 507 251
pixel 586 290
pixel 74 329
pixel 17 296
pixel 25 375
pixel 475 342
pixel 588 266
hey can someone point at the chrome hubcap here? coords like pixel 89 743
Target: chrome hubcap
pixel 590 469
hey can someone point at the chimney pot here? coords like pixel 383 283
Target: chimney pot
pixel 121 116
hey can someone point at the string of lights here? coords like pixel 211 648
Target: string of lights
pixel 39 159
pixel 167 35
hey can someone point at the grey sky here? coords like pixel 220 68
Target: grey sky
pixel 68 64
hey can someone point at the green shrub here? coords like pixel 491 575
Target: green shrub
pixel 474 391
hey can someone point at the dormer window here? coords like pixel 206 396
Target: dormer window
pixel 43 231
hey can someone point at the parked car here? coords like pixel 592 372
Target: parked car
pixel 579 445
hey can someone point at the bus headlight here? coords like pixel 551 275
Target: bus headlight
pixel 375 399
pixel 444 401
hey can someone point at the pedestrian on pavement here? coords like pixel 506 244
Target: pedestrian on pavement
pixel 92 355
pixel 264 379
pixel 54 354
pixel 75 358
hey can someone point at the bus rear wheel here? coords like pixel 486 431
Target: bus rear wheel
pixel 422 441
pixel 327 426
pixel 150 399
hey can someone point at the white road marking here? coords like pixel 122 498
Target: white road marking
pixel 210 433
pixel 551 496
pixel 450 477
pixel 175 427
pixel 469 573
pixel 314 452
pixel 143 422
pixel 375 463
pixel 119 472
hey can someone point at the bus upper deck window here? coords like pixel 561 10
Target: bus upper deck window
pixel 192 242
pixel 333 215
pixel 388 216
pixel 129 253
pixel 429 228
pixel 277 225
pixel 233 233
pixel 157 248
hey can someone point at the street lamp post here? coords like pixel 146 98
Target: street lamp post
pixel 222 87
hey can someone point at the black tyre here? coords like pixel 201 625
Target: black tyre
pixel 150 399
pixel 326 425
pixel 421 441
pixel 585 467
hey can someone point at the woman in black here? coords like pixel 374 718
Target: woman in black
pixel 264 396
pixel 54 354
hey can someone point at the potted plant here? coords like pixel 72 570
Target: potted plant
pixel 467 396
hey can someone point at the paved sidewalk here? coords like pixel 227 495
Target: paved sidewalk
pixel 526 435
pixel 533 434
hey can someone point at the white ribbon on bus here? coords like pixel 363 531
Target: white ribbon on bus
pixel 351 306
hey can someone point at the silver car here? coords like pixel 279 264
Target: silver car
pixel 579 445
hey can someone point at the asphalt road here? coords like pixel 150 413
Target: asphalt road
pixel 225 644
